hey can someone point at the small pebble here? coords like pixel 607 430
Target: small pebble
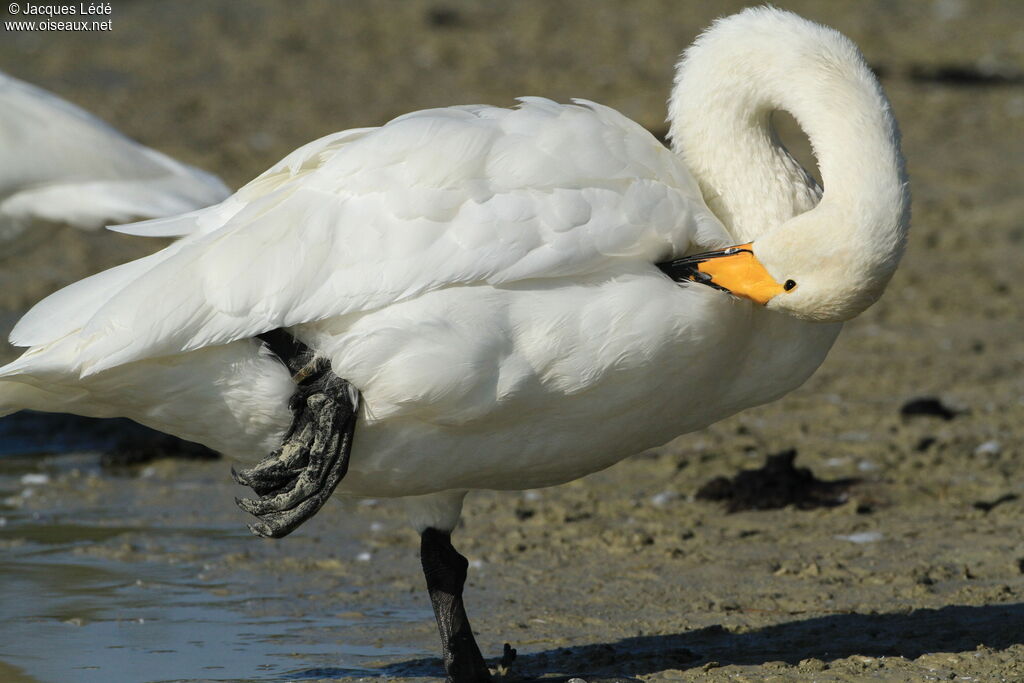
pixel 35 479
pixel 664 498
pixel 991 447
pixel 862 537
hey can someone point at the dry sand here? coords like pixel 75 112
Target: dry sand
pixel 919 576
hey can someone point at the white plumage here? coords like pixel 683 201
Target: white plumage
pixel 485 278
pixel 60 164
pixel 363 219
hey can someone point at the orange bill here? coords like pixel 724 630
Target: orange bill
pixel 735 270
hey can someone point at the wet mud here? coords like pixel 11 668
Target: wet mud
pixel 147 573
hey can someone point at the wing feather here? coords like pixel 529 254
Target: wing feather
pixel 366 218
pixel 62 164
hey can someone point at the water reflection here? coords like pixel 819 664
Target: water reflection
pixel 119 440
pixel 132 589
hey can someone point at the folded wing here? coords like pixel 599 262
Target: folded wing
pixel 365 218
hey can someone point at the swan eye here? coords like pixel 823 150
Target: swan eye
pixel 789 285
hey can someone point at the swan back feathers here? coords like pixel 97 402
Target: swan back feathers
pixel 359 221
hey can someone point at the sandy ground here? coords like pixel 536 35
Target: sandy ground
pixel 919 576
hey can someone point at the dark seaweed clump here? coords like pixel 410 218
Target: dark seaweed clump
pixel 927 406
pixel 775 485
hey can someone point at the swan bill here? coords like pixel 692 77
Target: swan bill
pixel 734 269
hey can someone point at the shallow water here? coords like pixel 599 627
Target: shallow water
pixel 29 432
pixel 101 587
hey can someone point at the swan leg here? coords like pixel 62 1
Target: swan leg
pixel 296 479
pixel 445 571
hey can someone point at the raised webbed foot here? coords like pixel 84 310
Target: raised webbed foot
pixel 295 480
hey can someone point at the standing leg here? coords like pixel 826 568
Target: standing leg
pixel 445 570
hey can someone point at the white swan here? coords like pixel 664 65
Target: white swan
pixel 485 279
pixel 60 164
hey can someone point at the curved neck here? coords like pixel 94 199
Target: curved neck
pixel 752 64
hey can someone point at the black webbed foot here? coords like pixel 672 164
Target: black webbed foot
pixel 295 480
pixel 508 655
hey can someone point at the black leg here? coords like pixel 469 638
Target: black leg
pixel 445 570
pixel 295 481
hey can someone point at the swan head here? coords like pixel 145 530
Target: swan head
pixel 823 265
pixel 822 254
pixel 831 266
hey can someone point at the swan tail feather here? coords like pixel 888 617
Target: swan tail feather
pixel 17 395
